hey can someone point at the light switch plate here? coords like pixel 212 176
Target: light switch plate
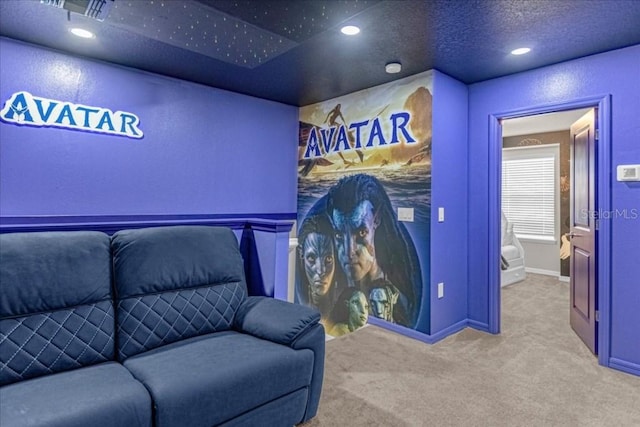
pixel 628 172
pixel 440 214
pixel 405 214
pixel 441 290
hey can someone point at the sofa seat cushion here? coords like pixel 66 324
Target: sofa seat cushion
pixel 101 395
pixel 210 379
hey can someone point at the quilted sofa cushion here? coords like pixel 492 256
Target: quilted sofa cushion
pixel 101 395
pixel 241 373
pixel 56 312
pixel 174 283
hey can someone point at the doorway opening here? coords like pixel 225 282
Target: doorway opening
pixel 527 136
pixel 536 201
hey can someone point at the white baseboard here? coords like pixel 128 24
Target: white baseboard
pixel 541 271
pixel 564 278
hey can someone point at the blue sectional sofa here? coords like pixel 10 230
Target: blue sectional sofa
pixel 148 327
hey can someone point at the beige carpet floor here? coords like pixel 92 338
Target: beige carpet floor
pixel 536 373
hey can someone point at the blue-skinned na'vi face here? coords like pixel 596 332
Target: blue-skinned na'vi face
pixel 358 309
pixel 380 304
pixel 319 263
pixel 354 239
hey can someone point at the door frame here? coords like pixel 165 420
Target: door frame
pixel 602 204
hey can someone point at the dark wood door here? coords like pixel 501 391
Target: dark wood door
pixel 583 286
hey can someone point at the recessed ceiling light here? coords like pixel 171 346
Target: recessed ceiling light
pixel 520 51
pixel 393 67
pixel 350 30
pixel 85 34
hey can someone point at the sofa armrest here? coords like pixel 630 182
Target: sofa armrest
pixel 289 324
pixel 275 320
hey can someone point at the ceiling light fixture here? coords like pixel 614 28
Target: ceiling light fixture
pixel 350 30
pixel 393 67
pixel 520 51
pixel 85 34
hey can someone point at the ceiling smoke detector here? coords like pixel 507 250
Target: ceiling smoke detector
pixel 393 67
pixel 96 9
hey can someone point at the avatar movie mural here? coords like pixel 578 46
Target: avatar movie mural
pixel 360 158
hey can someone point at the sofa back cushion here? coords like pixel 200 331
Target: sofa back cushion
pixel 56 311
pixel 174 283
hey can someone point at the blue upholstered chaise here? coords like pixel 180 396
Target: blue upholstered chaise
pixel 192 349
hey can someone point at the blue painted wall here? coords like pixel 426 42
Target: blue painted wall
pixel 615 73
pixel 449 190
pixel 205 151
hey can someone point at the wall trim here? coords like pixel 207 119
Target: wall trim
pixel 272 222
pixel 271 225
pixel 402 330
pixel 417 335
pixel 494 238
pixel 453 329
pixel 624 366
pixel 480 326
pixel 603 202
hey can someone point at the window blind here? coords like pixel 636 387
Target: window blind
pixel 528 193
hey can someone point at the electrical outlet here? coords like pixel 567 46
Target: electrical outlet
pixel 441 290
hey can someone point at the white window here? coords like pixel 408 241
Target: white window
pixel 530 190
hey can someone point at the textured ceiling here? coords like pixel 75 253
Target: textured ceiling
pixel 293 51
pixel 200 29
pixel 295 20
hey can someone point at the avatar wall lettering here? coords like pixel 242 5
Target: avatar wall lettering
pixel 23 108
pixel 361 156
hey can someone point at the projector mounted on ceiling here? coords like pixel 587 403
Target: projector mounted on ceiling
pixel 96 9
